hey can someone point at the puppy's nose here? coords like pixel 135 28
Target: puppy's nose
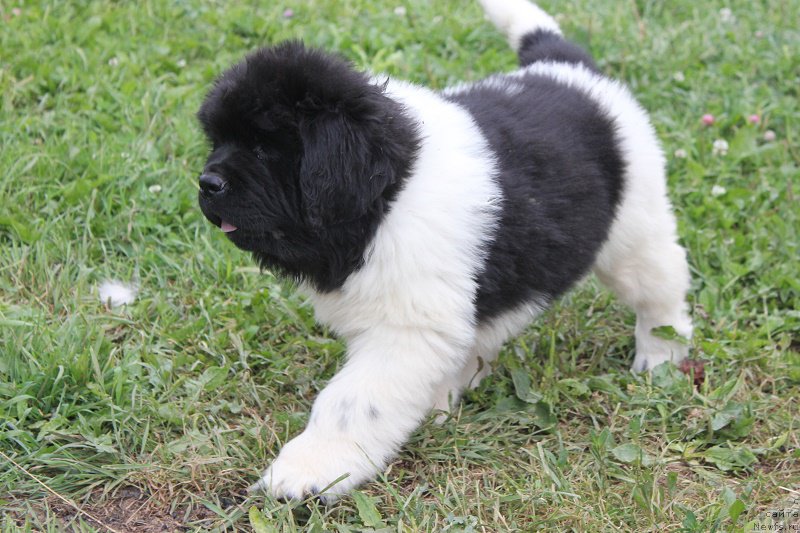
pixel 212 185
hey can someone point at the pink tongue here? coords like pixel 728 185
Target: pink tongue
pixel 227 227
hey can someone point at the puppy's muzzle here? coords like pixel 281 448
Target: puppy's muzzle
pixel 212 186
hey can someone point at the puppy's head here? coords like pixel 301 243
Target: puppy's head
pixel 306 155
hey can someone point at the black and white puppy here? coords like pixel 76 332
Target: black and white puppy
pixel 429 227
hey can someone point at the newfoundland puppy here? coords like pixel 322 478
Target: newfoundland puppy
pixel 428 227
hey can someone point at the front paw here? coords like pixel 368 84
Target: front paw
pixel 646 361
pixel 316 465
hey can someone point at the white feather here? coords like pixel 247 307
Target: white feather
pixel 117 293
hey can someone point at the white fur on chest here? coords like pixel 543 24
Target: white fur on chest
pixel 420 267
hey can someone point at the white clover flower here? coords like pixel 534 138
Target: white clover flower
pixel 679 76
pixel 769 136
pixel 181 63
pixel 720 147
pixel 718 190
pixel 155 189
pixel 680 153
pixel 726 15
pixel 400 11
pixel 113 62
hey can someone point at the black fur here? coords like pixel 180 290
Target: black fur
pixel 561 177
pixel 312 155
pixel 545 45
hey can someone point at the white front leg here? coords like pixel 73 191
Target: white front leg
pixel 366 413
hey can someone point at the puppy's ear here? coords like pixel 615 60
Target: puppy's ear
pixel 348 164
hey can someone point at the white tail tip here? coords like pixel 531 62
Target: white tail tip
pixel 517 18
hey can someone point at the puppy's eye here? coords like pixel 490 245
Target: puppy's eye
pixel 259 153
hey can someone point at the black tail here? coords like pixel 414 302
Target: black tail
pixel 543 45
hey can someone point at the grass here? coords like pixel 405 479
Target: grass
pixel 156 415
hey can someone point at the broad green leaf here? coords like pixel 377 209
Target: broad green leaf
pixel 736 509
pixel 632 453
pixel 259 522
pixel 369 514
pixel 543 415
pixel 604 383
pixel 573 387
pixel 729 413
pixel 214 377
pixel 522 383
pixel 726 458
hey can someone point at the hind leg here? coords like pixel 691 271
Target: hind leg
pixel 646 267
